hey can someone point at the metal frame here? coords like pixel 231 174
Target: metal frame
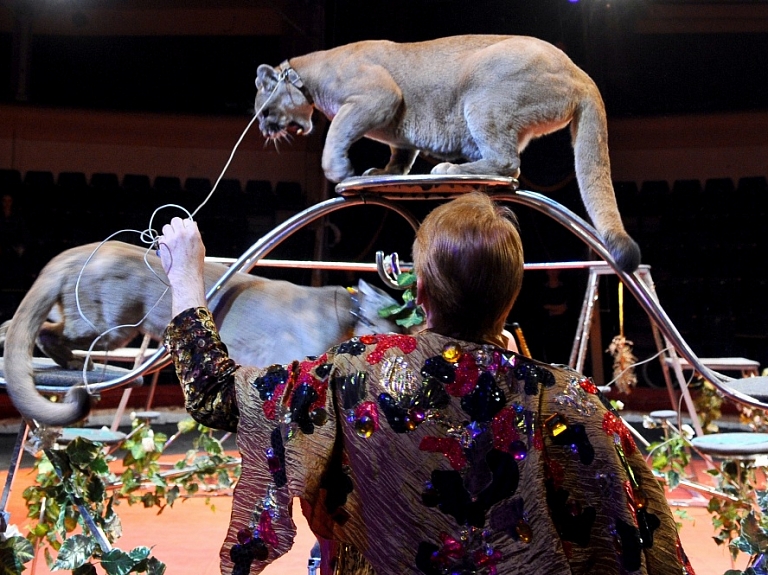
pixel 387 191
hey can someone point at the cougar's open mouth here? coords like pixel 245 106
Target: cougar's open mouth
pixel 275 130
pixel 295 128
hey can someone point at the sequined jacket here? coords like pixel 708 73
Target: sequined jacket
pixel 430 456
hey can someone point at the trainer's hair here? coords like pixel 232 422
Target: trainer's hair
pixel 469 258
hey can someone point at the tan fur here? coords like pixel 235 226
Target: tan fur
pixel 262 321
pixel 476 98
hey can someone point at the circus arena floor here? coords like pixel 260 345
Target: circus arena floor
pixel 187 536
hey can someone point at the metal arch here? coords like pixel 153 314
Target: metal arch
pixel 248 260
pixel 559 213
pixel 639 289
pixel 267 243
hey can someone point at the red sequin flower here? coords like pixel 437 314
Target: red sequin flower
pixel 266 531
pixel 270 405
pixel 305 376
pixel 504 429
pixel 631 500
pixel 449 447
pixel 588 385
pixel 406 343
pixel 466 377
pixel 613 425
pixel 269 409
pixel 554 471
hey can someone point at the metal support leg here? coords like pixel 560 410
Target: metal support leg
pixel 579 350
pixel 16 454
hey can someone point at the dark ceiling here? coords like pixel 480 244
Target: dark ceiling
pixel 649 58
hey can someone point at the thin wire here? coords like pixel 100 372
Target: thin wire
pixel 623 371
pixel 229 161
pixel 150 236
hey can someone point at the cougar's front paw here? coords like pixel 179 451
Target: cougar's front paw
pixel 447 168
pixel 338 170
pixel 376 172
pixel 76 363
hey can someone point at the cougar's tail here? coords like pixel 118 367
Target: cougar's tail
pixel 19 347
pixel 593 172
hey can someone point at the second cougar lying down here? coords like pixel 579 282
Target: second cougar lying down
pixel 262 321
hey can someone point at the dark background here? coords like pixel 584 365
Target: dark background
pixel 643 67
pixel 639 72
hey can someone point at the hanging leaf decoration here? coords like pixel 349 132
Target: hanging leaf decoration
pixel 409 313
pixel 621 349
pixel 623 363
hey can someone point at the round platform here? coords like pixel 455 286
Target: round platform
pixel 424 186
pixel 146 415
pixel 756 387
pixel 105 436
pixel 740 445
pixel 663 414
pixel 52 378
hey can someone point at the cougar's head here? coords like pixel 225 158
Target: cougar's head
pixel 282 108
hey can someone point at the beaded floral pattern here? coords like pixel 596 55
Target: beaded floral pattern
pixel 513 456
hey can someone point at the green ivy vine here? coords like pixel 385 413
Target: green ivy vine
pixel 72 503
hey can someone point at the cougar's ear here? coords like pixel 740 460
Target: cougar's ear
pixel 266 77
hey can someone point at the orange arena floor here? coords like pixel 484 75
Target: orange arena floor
pixel 187 536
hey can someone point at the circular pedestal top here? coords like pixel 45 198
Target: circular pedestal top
pixel 424 186
pixel 52 378
pixel 756 387
pixel 664 414
pixel 739 444
pixel 146 415
pixel 105 436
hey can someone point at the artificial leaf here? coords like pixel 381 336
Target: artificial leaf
pixel 87 569
pixel 14 552
pixel 755 535
pixel 742 544
pixel 673 479
pixel 406 279
pixel 139 553
pixel 75 551
pixel 100 466
pixel 95 489
pixel 117 562
pixel 82 452
pixel 155 567
pixel 138 451
pixel 172 495
pixel 392 309
pixel 417 317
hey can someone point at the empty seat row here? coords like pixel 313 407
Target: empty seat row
pixel 256 197
pixel 68 209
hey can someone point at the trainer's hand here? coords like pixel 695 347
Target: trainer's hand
pixel 182 254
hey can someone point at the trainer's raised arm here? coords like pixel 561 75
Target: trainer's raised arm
pixel 182 253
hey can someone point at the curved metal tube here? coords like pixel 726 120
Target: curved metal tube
pixel 248 260
pixel 644 296
pixel 578 226
pixel 383 274
pixel 268 242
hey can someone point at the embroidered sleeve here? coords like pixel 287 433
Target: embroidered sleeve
pixel 204 369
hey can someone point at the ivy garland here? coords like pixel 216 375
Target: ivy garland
pixel 76 482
